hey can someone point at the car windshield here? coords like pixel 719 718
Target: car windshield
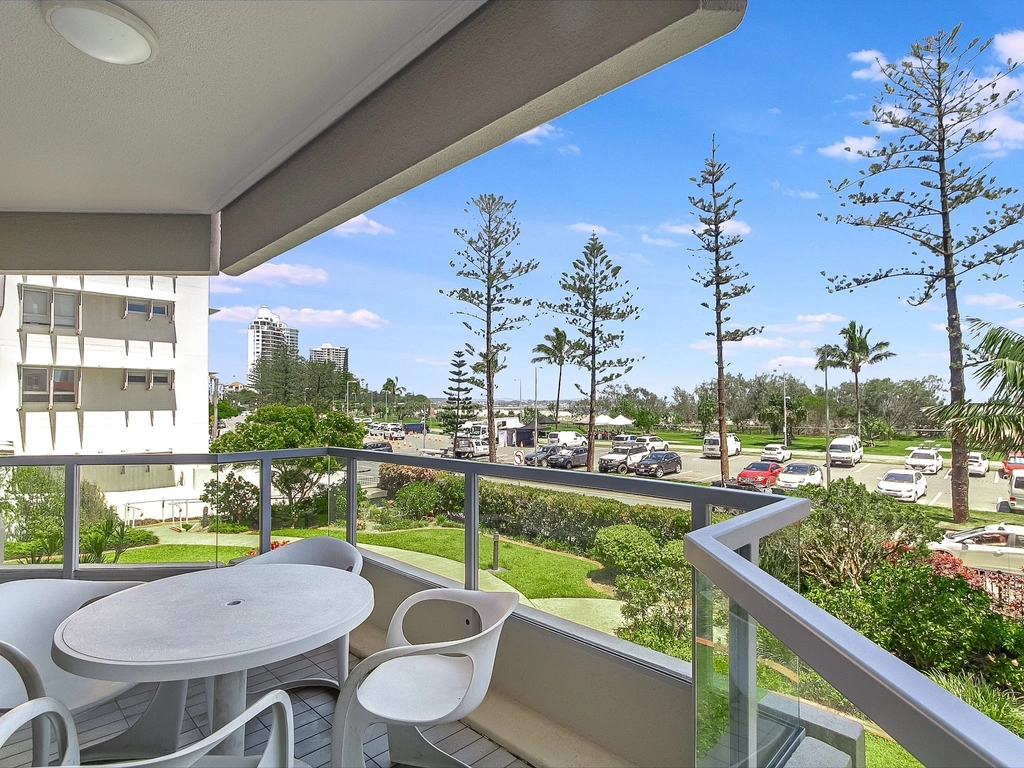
pixel 759 466
pixel 656 456
pixel 798 469
pixel 898 477
pixel 711 441
pixel 1015 460
pixel 772 447
pixel 921 455
pixel 840 448
pixel 975 457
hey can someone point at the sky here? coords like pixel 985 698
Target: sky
pixel 783 94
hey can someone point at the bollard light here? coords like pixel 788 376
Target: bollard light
pixel 494 558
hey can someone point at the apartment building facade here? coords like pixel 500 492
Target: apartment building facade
pixel 103 364
pixel 266 333
pixel 329 352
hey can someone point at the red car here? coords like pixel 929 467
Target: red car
pixel 761 474
pixel 1012 462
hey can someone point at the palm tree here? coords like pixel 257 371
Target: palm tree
pixel 828 357
pixel 997 424
pixel 557 350
pixel 856 352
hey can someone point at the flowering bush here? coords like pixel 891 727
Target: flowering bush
pixel 273 545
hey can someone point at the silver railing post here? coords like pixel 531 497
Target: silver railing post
pixel 265 485
pixel 471 511
pixel 743 678
pixel 351 499
pixel 72 502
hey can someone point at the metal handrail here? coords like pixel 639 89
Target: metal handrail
pixel 932 724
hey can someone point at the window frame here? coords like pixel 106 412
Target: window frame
pixel 49 399
pixel 75 380
pixel 136 376
pixel 45 392
pixel 76 301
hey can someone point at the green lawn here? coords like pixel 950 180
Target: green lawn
pixel 880 752
pixel 943 517
pixel 180 553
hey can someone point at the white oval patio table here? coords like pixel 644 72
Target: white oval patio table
pixel 213 623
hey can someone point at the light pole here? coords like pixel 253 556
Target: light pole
pixel 536 413
pixel 215 385
pixel 348 382
pixel 520 395
pixel 785 407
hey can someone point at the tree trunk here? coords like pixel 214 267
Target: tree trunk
pixel 558 397
pixel 856 392
pixel 593 403
pixel 723 439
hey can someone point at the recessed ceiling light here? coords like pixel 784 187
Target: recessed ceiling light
pixel 102 30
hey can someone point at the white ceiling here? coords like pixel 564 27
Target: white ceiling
pixel 237 87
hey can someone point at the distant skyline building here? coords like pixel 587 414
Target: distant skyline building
pixel 267 333
pixel 337 355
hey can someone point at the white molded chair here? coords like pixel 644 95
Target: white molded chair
pixel 30 612
pixel 329 552
pixel 278 753
pixel 407 685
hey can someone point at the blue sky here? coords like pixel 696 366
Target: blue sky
pixel 783 94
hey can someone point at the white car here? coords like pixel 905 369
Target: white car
pixel 798 474
pixel 998 547
pixel 926 460
pixel 903 485
pixel 622 459
pixel 776 452
pixel 977 464
pixel 652 443
pixel 711 449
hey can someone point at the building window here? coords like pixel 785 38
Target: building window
pixel 65 310
pixel 137 307
pixel 33 385
pixel 161 377
pixel 64 383
pixel 137 377
pixel 35 307
pixel 160 309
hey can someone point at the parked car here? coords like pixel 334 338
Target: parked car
pixel 622 458
pixel 567 439
pixel 926 460
pixel 624 440
pixel 761 474
pixel 569 458
pixel 378 445
pixel 903 485
pixel 658 463
pixel 539 458
pixel 470 448
pixel 1016 489
pixel 652 443
pixel 711 449
pixel 799 474
pixel 1013 461
pixel 977 464
pixel 998 547
pixel 776 452
pixel 845 450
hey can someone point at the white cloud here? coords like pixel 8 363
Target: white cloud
pixel 276 275
pixel 427 361
pixel 362 225
pixel 1010 45
pixel 847 97
pixel 597 229
pixel 789 361
pixel 1009 133
pixel 539 134
pixel 794 327
pixel 731 227
pixel 569 149
pixel 825 317
pixel 874 60
pixel 639 257
pixel 774 111
pixel 1017 322
pixel 797 149
pixel 849 147
pixel 938 327
pixel 360 318
pixel 807 194
pixel 662 241
pixel 992 301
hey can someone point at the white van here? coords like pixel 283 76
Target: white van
pixel 570 439
pixel 712 450
pixel 1016 498
pixel 845 451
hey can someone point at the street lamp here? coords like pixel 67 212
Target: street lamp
pixel 348 382
pixel 215 386
pixel 785 407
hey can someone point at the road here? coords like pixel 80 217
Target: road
pixel 985 493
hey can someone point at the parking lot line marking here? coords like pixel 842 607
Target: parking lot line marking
pixel 710 477
pixel 862 468
pixel 932 502
pixel 949 474
pixel 996 480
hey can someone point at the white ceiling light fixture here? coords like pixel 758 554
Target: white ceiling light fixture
pixel 102 30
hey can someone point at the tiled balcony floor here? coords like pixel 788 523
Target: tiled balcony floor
pixel 313 709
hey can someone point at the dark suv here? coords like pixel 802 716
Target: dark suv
pixel 569 458
pixel 539 458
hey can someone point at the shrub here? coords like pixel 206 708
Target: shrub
pixel 451 490
pixel 234 499
pixel 417 500
pixel 140 537
pixel 395 476
pixel 999 705
pixel 627 549
pixel 223 526
pixel 656 610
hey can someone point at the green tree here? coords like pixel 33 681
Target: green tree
pixel 276 427
pixel 233 499
pixel 557 349
pixel 722 276
pixel 858 351
pixel 998 423
pixel 225 409
pixel 453 414
pixel 938 109
pixel 32 502
pixel 707 411
pixel 487 261
pixel 279 379
pixel 595 298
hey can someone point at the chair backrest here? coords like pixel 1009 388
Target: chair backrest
pixel 59 717
pixel 30 612
pixel 492 608
pixel 327 551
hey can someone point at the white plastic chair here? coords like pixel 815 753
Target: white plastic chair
pixel 30 612
pixel 278 753
pixel 407 685
pixel 328 552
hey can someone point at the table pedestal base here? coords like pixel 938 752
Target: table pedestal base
pixel 154 734
pixel 229 703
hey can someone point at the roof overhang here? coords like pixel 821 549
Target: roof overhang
pixel 502 69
